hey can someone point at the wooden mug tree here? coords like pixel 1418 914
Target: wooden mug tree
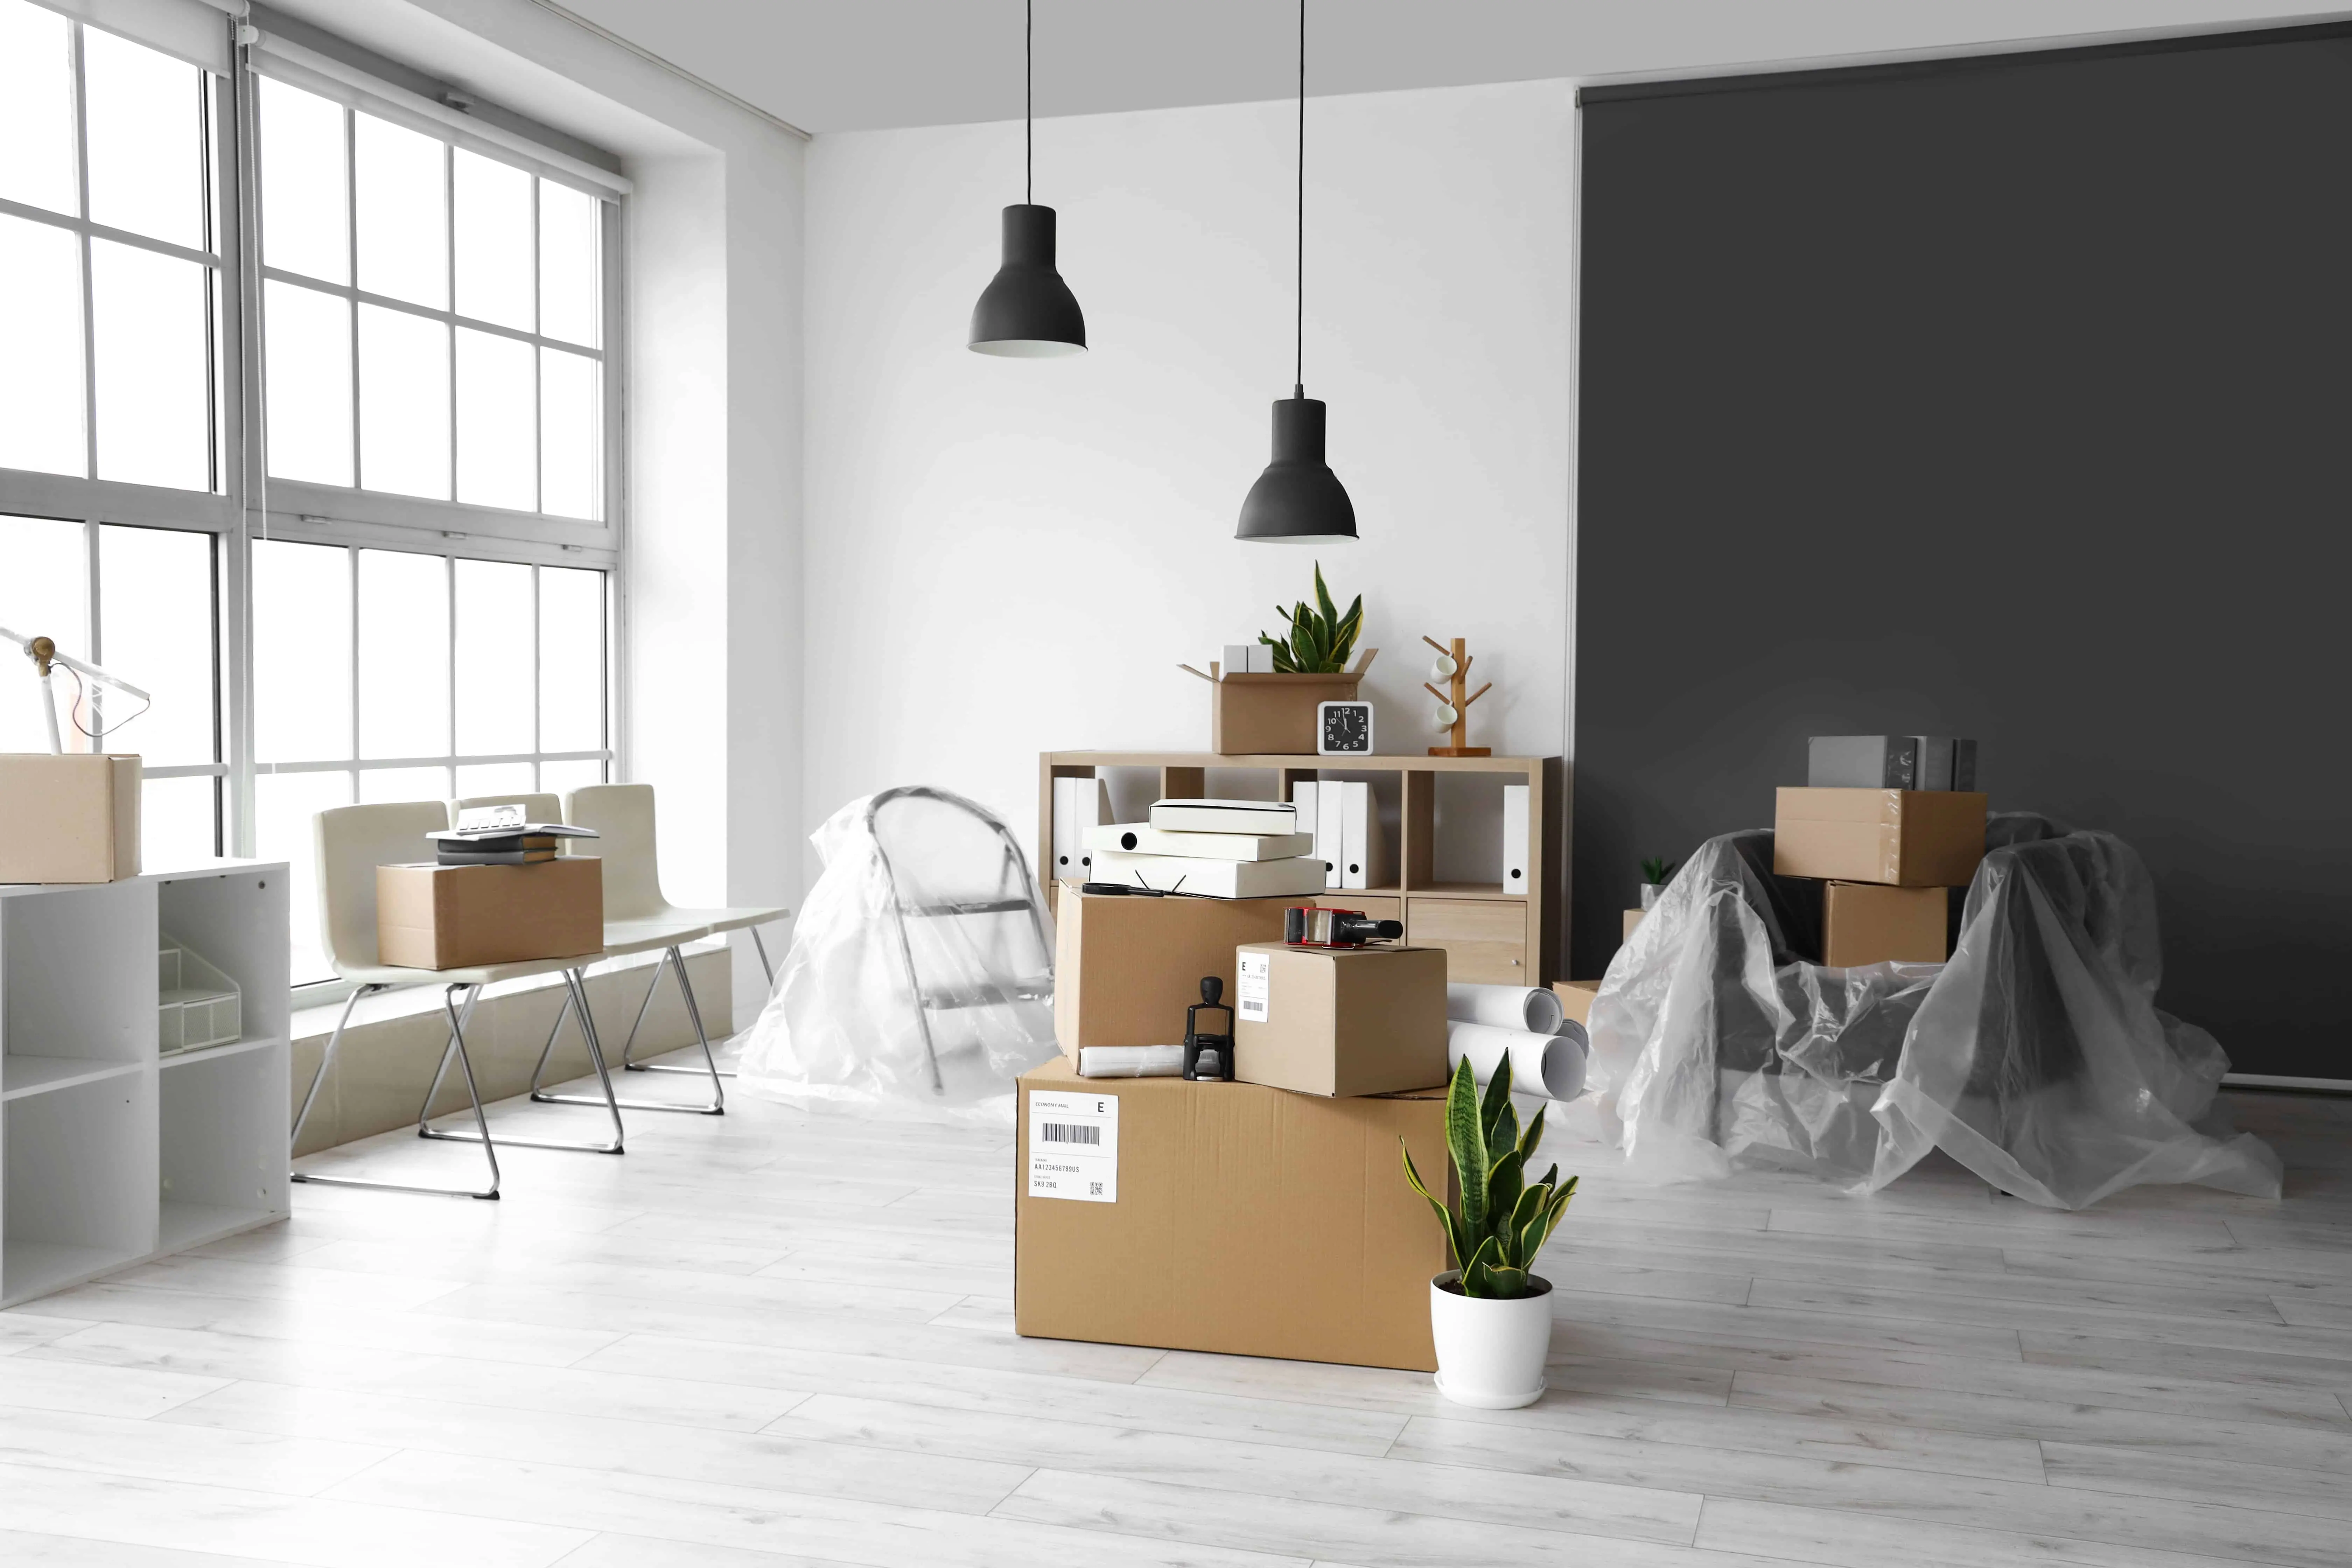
pixel 1460 655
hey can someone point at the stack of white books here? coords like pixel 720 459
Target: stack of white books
pixel 1219 848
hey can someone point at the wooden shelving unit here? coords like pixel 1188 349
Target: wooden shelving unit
pixel 1490 935
pixel 111 1153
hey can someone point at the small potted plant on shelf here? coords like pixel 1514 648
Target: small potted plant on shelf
pixel 1657 871
pixel 1490 1314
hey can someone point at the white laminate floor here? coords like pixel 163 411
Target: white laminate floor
pixel 772 1340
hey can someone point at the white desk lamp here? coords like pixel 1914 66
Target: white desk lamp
pixel 44 654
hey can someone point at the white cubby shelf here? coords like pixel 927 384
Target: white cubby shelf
pixel 110 1151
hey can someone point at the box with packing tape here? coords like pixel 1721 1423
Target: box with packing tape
pixel 1904 838
pixel 1339 1021
pixel 1124 968
pixel 462 916
pixel 1228 1217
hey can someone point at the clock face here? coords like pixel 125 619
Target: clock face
pixel 1347 727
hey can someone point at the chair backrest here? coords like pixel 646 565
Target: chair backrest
pixel 623 817
pixel 537 807
pixel 353 841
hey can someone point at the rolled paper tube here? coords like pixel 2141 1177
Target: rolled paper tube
pixel 1550 1065
pixel 1131 1061
pixel 1533 1008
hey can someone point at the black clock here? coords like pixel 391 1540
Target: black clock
pixel 1343 729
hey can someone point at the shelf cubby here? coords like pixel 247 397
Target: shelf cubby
pixel 111 1152
pixel 1437 810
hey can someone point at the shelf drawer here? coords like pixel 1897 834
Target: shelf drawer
pixel 1486 940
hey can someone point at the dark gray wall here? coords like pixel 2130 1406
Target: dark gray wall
pixel 2007 400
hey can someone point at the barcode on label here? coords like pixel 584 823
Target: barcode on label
pixel 1068 1132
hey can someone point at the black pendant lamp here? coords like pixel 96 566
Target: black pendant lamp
pixel 1298 500
pixel 1027 311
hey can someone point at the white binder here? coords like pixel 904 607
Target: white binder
pixel 1516 872
pixel 1363 848
pixel 1305 794
pixel 1078 805
pixel 1330 829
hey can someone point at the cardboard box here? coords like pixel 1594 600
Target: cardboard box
pixel 1632 918
pixel 1576 998
pixel 1868 923
pixel 1340 1021
pixel 1904 838
pixel 1258 714
pixel 1230 1218
pixel 459 917
pixel 68 819
pixel 1126 968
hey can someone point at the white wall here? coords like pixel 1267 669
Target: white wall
pixel 1005 556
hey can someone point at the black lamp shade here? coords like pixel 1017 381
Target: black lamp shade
pixel 1027 311
pixel 1298 498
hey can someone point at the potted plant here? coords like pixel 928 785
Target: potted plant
pixel 1490 1314
pixel 1320 638
pixel 1656 870
pixel 1275 712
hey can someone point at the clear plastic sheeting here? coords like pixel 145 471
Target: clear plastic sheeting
pixel 919 984
pixel 2036 1057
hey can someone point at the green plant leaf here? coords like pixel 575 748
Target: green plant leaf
pixel 1505 1282
pixel 1558 1206
pixel 1532 1138
pixel 1477 1273
pixel 1323 598
pixel 1532 1236
pixel 1503 1191
pixel 1444 1216
pixel 1499 1093
pixel 1533 1200
pixel 1343 640
pixel 1502 1127
pixel 1465 1140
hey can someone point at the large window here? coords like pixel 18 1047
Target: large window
pixel 306 427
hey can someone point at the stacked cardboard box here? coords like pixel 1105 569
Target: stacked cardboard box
pixel 1889 856
pixel 1154 1211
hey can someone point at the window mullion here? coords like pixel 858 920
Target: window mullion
pixel 449 264
pixel 351 263
pixel 449 586
pixel 82 237
pixel 94 612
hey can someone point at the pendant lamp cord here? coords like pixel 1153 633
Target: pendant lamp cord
pixel 1298 341
pixel 1029 100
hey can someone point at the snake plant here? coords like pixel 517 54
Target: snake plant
pixel 1656 870
pixel 1320 638
pixel 1502 1220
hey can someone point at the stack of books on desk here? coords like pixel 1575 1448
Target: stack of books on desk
pixel 1216 849
pixel 497 835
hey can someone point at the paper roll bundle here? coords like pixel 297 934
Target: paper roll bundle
pixel 1131 1061
pixel 1551 1065
pixel 1534 1009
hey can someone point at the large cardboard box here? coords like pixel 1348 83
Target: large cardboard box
pixel 458 917
pixel 68 819
pixel 1226 1217
pixel 1868 922
pixel 1126 968
pixel 1904 838
pixel 1340 1021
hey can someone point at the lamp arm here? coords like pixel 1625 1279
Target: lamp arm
pixel 77 666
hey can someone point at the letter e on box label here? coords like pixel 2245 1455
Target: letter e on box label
pixel 1074 1146
pixel 1257 985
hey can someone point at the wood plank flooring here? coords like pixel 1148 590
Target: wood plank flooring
pixel 774 1341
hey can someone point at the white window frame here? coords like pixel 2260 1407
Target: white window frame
pixel 243 505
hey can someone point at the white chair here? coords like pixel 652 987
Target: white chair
pixel 353 841
pixel 638 919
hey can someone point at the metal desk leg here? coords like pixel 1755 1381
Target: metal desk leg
pixel 717 1106
pixel 576 997
pixel 473 1091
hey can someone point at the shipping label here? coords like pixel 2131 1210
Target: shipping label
pixel 1257 987
pixel 1074 1146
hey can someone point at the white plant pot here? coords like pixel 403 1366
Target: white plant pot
pixel 1490 1354
pixel 1651 893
